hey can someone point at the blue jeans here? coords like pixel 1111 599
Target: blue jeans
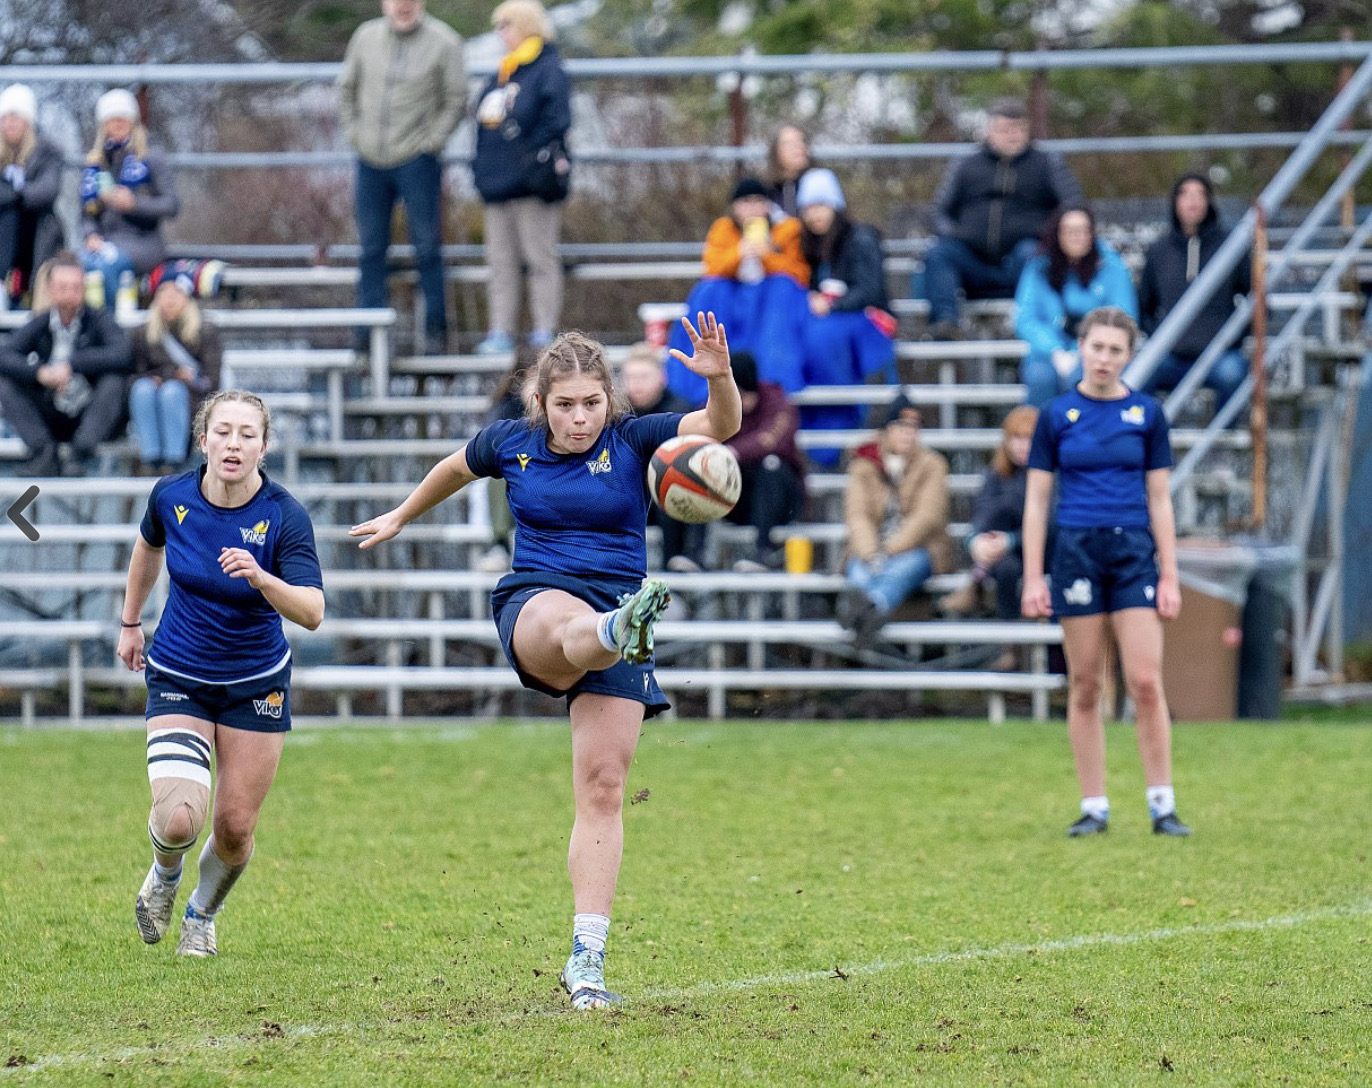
pixel 111 264
pixel 903 573
pixel 418 185
pixel 951 266
pixel 1225 376
pixel 161 417
pixel 1041 378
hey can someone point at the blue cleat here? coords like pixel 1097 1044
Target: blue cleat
pixel 638 612
pixel 1088 825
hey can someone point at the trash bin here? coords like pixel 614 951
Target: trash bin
pixel 1262 657
pixel 1200 659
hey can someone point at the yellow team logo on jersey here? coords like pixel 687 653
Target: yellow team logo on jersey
pixel 523 459
pixel 1132 415
pixel 257 534
pixel 1073 415
pixel 600 464
pixel 180 512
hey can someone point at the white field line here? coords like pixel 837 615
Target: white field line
pixel 1006 951
pixel 930 959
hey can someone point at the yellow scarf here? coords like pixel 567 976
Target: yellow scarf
pixel 523 53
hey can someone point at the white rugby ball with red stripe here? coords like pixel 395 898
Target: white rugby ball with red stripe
pixel 694 479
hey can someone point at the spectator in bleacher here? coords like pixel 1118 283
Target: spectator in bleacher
pixel 895 505
pixel 1074 272
pixel 176 360
pixel 1170 265
pixel 522 170
pixel 401 94
pixel 770 463
pixel 644 379
pixel 989 214
pixel 993 544
pixel 127 193
pixel 30 177
pixel 849 328
pixel 788 157
pixel 64 375
pixel 755 282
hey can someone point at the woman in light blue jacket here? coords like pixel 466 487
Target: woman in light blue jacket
pixel 1074 274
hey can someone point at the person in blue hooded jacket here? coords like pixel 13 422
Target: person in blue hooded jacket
pixel 522 171
pixel 1075 273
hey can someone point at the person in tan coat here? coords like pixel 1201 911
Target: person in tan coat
pixel 896 509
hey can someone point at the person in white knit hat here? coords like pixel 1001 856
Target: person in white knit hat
pixel 127 191
pixel 30 176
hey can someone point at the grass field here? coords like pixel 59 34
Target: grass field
pixel 885 903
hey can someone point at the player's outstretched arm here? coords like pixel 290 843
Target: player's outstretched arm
pixel 723 411
pixel 144 568
pixel 444 480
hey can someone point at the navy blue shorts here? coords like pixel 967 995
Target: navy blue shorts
pixel 621 680
pixel 1102 570
pixel 262 705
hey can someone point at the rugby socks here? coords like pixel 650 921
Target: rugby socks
pixel 1162 801
pixel 216 881
pixel 605 632
pixel 1099 807
pixel 589 932
pixel 167 876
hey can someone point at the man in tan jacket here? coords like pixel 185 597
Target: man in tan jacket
pixel 896 509
pixel 401 95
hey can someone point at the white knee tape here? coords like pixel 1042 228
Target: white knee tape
pixel 179 771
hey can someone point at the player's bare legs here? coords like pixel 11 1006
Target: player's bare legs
pixel 556 640
pixel 605 733
pixel 1084 643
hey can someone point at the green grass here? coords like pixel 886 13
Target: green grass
pixel 886 903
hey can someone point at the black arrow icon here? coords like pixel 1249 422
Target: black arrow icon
pixel 16 513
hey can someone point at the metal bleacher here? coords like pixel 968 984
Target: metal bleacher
pixel 408 629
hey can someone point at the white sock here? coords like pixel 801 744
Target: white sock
pixel 216 881
pixel 589 933
pixel 605 630
pixel 167 876
pixel 1162 801
pixel 1099 807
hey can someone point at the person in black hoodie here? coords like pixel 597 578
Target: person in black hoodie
pixel 847 333
pixel 989 213
pixel 1170 265
pixel 30 177
pixel 522 171
pixel 64 375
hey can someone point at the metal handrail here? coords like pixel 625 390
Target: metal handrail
pixel 1235 247
pixel 1035 60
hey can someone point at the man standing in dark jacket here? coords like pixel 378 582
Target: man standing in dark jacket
pixel 1172 262
pixel 64 375
pixel 989 214
pixel 770 463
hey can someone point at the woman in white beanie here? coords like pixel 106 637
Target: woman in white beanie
pixel 127 190
pixel 848 335
pixel 30 177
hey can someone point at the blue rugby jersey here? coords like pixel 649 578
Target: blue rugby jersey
pixel 216 628
pixel 575 513
pixel 1102 451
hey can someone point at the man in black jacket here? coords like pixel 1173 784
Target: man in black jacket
pixel 1172 262
pixel 64 376
pixel 989 214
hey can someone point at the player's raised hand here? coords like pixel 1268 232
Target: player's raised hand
pixel 709 344
pixel 378 529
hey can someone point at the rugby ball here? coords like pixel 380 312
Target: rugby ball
pixel 694 479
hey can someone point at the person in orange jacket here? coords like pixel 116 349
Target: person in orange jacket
pixel 755 281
